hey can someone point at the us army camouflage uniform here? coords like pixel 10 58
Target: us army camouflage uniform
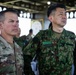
pixel 11 61
pixel 55 52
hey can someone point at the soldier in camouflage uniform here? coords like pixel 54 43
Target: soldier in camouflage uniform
pixel 75 59
pixel 53 46
pixel 11 60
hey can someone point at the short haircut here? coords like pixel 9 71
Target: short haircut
pixel 53 8
pixel 2 13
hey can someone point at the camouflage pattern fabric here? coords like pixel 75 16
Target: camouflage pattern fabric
pixel 28 37
pixel 11 60
pixel 55 52
pixel 75 59
pixel 21 41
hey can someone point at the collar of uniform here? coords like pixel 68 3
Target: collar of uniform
pixel 5 42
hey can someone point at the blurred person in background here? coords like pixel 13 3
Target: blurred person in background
pixel 18 33
pixel 30 35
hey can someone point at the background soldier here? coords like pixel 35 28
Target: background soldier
pixel 30 35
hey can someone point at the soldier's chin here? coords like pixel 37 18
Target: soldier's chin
pixel 14 34
pixel 62 25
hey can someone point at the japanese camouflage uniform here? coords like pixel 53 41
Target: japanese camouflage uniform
pixel 75 59
pixel 11 60
pixel 55 52
pixel 19 41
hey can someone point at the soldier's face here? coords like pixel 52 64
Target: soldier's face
pixel 59 17
pixel 10 24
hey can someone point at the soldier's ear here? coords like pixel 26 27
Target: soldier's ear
pixel 1 25
pixel 50 18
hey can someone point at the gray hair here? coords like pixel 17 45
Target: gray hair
pixel 2 13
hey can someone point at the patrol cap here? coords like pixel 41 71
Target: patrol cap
pixel 53 7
